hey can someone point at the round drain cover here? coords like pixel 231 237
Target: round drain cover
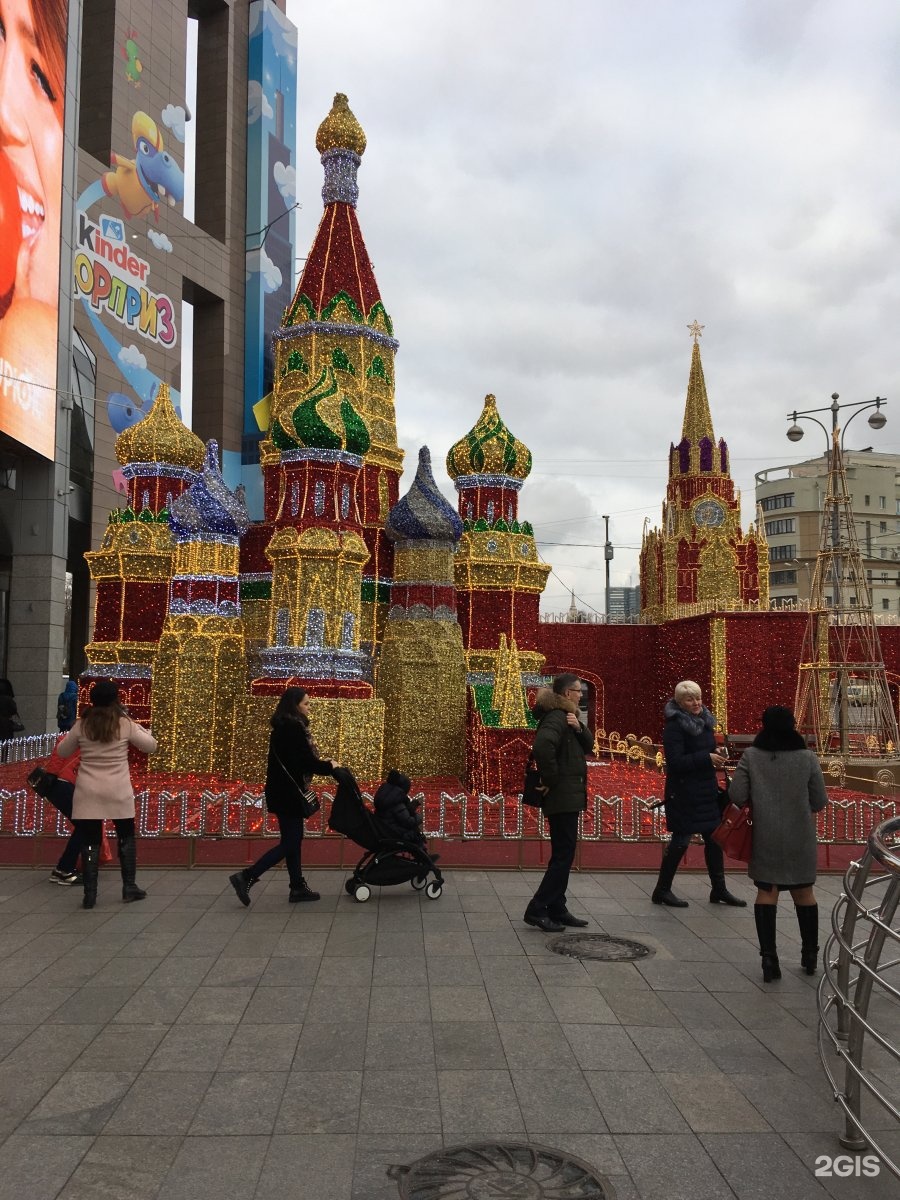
pixel 600 947
pixel 500 1171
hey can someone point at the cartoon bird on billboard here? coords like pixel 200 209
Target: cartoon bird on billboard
pixel 151 177
pixel 134 68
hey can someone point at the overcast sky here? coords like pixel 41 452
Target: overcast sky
pixel 552 192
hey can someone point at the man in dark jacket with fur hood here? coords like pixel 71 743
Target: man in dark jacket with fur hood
pixel 561 746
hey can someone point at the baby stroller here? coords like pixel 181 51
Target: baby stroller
pixel 386 861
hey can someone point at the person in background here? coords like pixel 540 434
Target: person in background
pixel 10 725
pixel 61 794
pixel 692 793
pixel 561 746
pixel 782 780
pixel 292 761
pixel 67 706
pixel 103 789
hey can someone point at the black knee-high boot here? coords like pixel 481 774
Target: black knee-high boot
pixel 765 916
pixel 715 865
pixel 662 893
pixel 90 864
pixel 128 867
pixel 808 920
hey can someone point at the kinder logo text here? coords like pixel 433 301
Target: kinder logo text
pixel 114 280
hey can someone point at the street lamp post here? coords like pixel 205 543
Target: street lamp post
pixel 838 557
pixel 877 421
pixel 608 555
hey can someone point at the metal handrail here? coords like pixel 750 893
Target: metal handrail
pixel 871 900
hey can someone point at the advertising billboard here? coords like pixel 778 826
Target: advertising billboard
pixel 33 37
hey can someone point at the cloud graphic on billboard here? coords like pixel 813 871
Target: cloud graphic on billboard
pixel 174 117
pixel 257 102
pixel 160 241
pixel 258 262
pixel 286 181
pixel 132 357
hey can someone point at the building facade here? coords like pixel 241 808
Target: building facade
pixel 792 498
pixel 165 274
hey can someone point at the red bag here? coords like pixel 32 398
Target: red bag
pixel 735 834
pixel 106 854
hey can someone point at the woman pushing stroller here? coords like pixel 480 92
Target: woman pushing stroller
pixel 292 761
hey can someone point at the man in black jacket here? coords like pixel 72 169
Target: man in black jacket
pixel 561 746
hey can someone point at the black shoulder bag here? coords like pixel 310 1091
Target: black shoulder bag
pixel 309 804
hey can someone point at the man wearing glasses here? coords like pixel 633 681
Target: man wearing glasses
pixel 560 750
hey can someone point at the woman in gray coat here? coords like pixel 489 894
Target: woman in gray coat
pixel 783 782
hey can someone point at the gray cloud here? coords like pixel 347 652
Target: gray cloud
pixel 551 194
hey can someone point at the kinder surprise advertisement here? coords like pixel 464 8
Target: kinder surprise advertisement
pixel 113 280
pixel 32 108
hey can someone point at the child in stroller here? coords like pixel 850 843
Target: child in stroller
pixel 391 836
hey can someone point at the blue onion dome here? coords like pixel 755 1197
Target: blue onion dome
pixel 208 509
pixel 423 515
pixel 317 416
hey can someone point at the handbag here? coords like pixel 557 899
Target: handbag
pixel 735 833
pixel 309 803
pixel 533 791
pixel 42 781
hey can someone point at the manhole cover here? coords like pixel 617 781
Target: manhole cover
pixel 598 946
pixel 500 1171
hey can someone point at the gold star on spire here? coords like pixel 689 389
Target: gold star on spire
pixel 695 329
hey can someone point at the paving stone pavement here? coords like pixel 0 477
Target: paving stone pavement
pixel 188 1047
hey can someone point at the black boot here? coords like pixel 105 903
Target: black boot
pixel 808 920
pixel 662 893
pixel 719 894
pixel 128 867
pixel 90 865
pixel 242 882
pixel 715 865
pixel 765 916
pixel 302 891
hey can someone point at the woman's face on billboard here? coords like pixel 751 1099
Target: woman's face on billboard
pixel 31 135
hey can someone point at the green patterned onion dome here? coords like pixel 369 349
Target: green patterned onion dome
pixel 318 416
pixel 489 449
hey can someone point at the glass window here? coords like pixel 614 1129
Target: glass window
pixel 885 603
pixel 868 501
pixel 882 501
pixel 782 553
pixel 783 500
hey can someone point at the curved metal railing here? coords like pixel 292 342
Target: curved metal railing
pixel 859 996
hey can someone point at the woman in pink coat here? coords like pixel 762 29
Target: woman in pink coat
pixel 103 788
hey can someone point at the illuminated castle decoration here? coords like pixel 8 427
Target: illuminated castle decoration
pixel 422 667
pixel 337 323
pixel 499 579
pixel 699 560
pixel 199 676
pixel 317 552
pixel 132 568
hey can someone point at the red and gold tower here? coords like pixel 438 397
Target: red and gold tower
pixel 337 324
pixel 499 579
pixel 699 560
pixel 160 457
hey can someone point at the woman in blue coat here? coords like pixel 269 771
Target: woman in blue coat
pixel 692 791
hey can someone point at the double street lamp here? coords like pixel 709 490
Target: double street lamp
pixel 877 420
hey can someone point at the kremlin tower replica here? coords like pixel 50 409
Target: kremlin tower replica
pixel 699 560
pixel 414 626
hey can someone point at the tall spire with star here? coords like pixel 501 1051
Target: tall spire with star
pixel 699 558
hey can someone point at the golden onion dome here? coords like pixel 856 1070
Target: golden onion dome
pixel 489 448
pixel 340 130
pixel 161 438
